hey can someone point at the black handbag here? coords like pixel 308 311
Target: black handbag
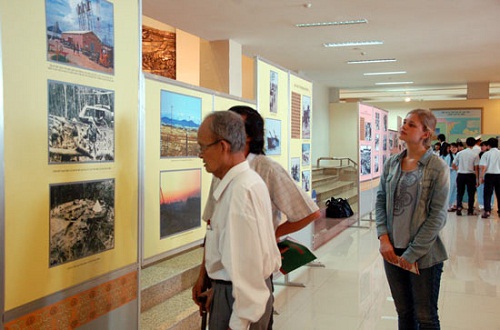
pixel 338 208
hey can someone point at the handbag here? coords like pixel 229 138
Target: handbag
pixel 338 208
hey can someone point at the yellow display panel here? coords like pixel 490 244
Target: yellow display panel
pixel 70 200
pixel 301 128
pixel 273 105
pixel 174 176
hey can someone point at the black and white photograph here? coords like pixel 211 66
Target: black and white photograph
pixel 82 220
pixel 273 92
pixel 295 169
pixel 306 180
pixel 377 121
pixel 81 33
pixel 385 122
pixel 376 163
pixel 368 131
pixel 377 142
pixel 306 117
pixel 365 160
pixel 80 123
pixel 384 143
pixel 180 201
pixel 273 136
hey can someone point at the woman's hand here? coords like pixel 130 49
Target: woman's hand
pixel 387 250
pixel 403 263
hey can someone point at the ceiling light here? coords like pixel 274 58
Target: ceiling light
pixel 357 21
pixel 372 61
pixel 353 43
pixel 395 83
pixel 383 73
pixel 407 99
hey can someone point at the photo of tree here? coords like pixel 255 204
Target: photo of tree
pixel 273 92
pixel 81 33
pixel 306 117
pixel 180 201
pixel 180 119
pixel 82 220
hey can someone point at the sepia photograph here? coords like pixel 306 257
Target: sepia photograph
pixel 295 168
pixel 180 201
pixel 306 117
pixel 81 33
pixel 82 220
pixel 80 123
pixel 179 123
pixel 273 92
pixel 273 136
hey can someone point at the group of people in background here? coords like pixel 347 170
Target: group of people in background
pixel 474 167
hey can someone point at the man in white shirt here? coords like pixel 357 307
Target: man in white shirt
pixel 489 167
pixel 240 249
pixel 466 164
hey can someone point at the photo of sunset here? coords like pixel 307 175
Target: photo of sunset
pixel 180 201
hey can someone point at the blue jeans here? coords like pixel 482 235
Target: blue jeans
pixel 415 296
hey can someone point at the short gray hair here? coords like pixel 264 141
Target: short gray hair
pixel 228 126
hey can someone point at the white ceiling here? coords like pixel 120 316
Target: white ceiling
pixel 442 44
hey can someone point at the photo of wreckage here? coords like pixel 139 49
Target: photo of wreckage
pixel 82 220
pixel 80 123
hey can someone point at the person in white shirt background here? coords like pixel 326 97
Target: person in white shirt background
pixel 489 166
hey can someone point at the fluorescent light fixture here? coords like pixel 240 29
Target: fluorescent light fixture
pixel 357 21
pixel 353 43
pixel 373 61
pixel 383 73
pixel 395 83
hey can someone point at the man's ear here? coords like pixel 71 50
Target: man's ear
pixel 225 146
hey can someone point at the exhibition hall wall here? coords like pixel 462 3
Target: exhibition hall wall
pixel 99 157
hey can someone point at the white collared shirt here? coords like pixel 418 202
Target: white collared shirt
pixel 491 160
pixel 240 245
pixel 466 161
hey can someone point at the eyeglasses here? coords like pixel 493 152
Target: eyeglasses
pixel 204 147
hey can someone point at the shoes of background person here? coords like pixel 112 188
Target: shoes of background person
pixel 452 209
pixel 486 215
pixel 470 212
pixel 459 211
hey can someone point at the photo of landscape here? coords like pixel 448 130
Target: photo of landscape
pixel 179 123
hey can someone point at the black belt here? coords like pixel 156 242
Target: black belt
pixel 231 283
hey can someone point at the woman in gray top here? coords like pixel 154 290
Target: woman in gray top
pixel 411 210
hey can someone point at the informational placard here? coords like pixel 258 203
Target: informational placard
pixel 458 123
pixel 71 150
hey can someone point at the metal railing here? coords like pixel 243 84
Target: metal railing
pixel 340 159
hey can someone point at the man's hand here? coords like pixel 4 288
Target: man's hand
pixel 205 299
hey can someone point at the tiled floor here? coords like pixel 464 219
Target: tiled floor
pixel 351 291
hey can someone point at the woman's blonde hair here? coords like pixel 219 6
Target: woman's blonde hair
pixel 428 120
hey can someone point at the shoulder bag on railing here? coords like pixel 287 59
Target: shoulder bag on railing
pixel 338 208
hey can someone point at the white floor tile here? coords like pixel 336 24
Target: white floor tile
pixel 351 291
